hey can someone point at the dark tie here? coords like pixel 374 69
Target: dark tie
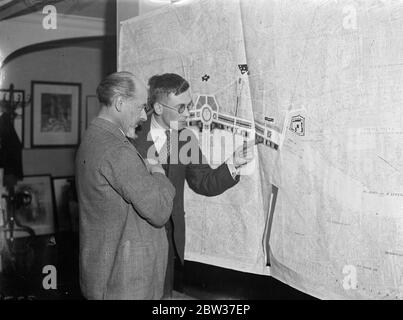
pixel 164 152
pixel 168 134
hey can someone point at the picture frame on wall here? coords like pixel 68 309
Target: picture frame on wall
pixel 18 96
pixel 55 118
pixel 39 214
pixel 64 195
pixel 92 109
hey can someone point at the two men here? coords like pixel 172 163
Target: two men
pixel 124 202
pixel 170 98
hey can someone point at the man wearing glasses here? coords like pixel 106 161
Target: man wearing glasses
pixel 169 99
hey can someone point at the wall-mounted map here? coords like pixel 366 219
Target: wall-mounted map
pixel 323 211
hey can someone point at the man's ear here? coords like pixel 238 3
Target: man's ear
pixel 118 104
pixel 157 108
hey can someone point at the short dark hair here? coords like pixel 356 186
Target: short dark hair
pixel 165 84
pixel 120 83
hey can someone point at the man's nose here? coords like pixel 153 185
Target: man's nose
pixel 143 115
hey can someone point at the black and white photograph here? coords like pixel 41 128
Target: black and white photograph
pixel 201 150
pixel 36 211
pixel 55 114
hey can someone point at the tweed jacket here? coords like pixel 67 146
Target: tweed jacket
pixel 122 211
pixel 200 177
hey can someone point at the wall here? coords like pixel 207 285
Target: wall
pixel 125 9
pixel 66 64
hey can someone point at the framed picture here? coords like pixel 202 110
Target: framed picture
pixel 55 119
pixel 39 213
pixel 64 194
pixel 19 97
pixel 92 109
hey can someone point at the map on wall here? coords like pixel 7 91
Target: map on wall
pixel 226 230
pixel 323 211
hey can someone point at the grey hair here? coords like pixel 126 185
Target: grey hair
pixel 118 84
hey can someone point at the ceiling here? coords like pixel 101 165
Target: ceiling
pixel 101 9
pixel 86 8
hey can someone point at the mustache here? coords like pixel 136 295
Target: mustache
pixel 140 126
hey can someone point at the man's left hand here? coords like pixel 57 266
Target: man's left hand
pixel 243 154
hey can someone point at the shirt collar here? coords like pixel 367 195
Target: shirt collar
pixel 157 133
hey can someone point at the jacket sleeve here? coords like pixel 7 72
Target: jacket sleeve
pixel 207 181
pixel 150 194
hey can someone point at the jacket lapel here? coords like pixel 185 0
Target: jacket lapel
pixel 141 143
pixel 143 146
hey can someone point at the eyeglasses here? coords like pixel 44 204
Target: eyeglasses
pixel 181 108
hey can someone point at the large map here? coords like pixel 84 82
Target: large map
pixel 324 211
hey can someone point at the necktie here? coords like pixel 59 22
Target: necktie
pixel 168 134
pixel 165 150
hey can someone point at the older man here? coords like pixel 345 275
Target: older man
pixel 124 202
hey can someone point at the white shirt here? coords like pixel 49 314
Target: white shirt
pixel 159 137
pixel 157 134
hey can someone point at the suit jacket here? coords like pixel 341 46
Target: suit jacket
pixel 123 208
pixel 200 177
